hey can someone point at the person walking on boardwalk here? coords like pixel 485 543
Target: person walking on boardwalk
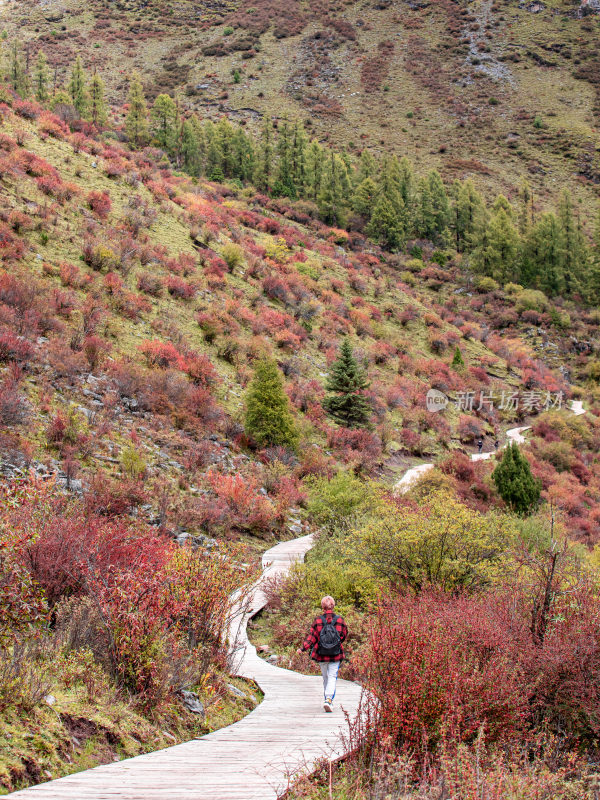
pixel 325 643
pixel 480 444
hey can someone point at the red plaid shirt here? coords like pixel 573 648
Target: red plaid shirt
pixel 312 640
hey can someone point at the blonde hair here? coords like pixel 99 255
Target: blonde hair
pixel 327 602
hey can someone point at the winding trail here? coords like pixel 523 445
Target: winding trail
pixel 258 757
pixel 411 476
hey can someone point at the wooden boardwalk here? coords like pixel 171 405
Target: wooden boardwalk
pixel 255 759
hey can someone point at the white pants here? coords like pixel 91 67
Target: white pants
pixel 329 671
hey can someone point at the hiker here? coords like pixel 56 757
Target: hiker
pixel 496 444
pixel 480 444
pixel 324 642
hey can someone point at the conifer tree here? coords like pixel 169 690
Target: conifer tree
pixel 497 251
pixel 225 140
pixel 136 121
pixel 526 212
pixel 190 149
pixel 18 76
pixel 77 88
pixel 469 211
pixel 572 243
pixel 264 172
pixel 385 225
pixel 363 200
pixel 597 235
pixel 335 189
pixel 542 260
pixel 438 210
pixel 367 166
pixel 268 417
pixel 299 158
pixel 284 184
pixel 346 381
pixel 98 112
pixel 457 360
pixel 515 483
pixel 164 114
pixel 314 169
pixel 244 160
pixel 41 78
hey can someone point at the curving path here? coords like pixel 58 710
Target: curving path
pixel 411 476
pixel 258 757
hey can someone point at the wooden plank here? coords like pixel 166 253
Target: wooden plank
pixel 254 759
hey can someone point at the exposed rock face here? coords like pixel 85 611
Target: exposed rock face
pixel 589 7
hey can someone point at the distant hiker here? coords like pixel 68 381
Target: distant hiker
pixel 480 444
pixel 324 642
pixel 496 444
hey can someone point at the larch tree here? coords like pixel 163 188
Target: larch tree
pixel 77 88
pixel 98 111
pixel 41 78
pixel 164 115
pixel 136 121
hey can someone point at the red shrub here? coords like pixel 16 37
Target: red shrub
pixel 14 348
pixel 162 354
pixel 179 288
pixel 358 447
pixel 150 284
pixel 50 125
pixel 201 370
pixel 442 665
pixel 100 203
pixel 12 247
pixel 248 508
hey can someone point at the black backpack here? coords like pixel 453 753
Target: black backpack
pixel 330 643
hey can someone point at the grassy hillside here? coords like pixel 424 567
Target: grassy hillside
pixel 135 302
pixel 495 91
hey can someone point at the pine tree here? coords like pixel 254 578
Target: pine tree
pixel 347 405
pixel 268 417
pixel 515 483
pixel 41 78
pixel 98 112
pixel 164 114
pixel 77 88
pixel 136 121
pixel 457 360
